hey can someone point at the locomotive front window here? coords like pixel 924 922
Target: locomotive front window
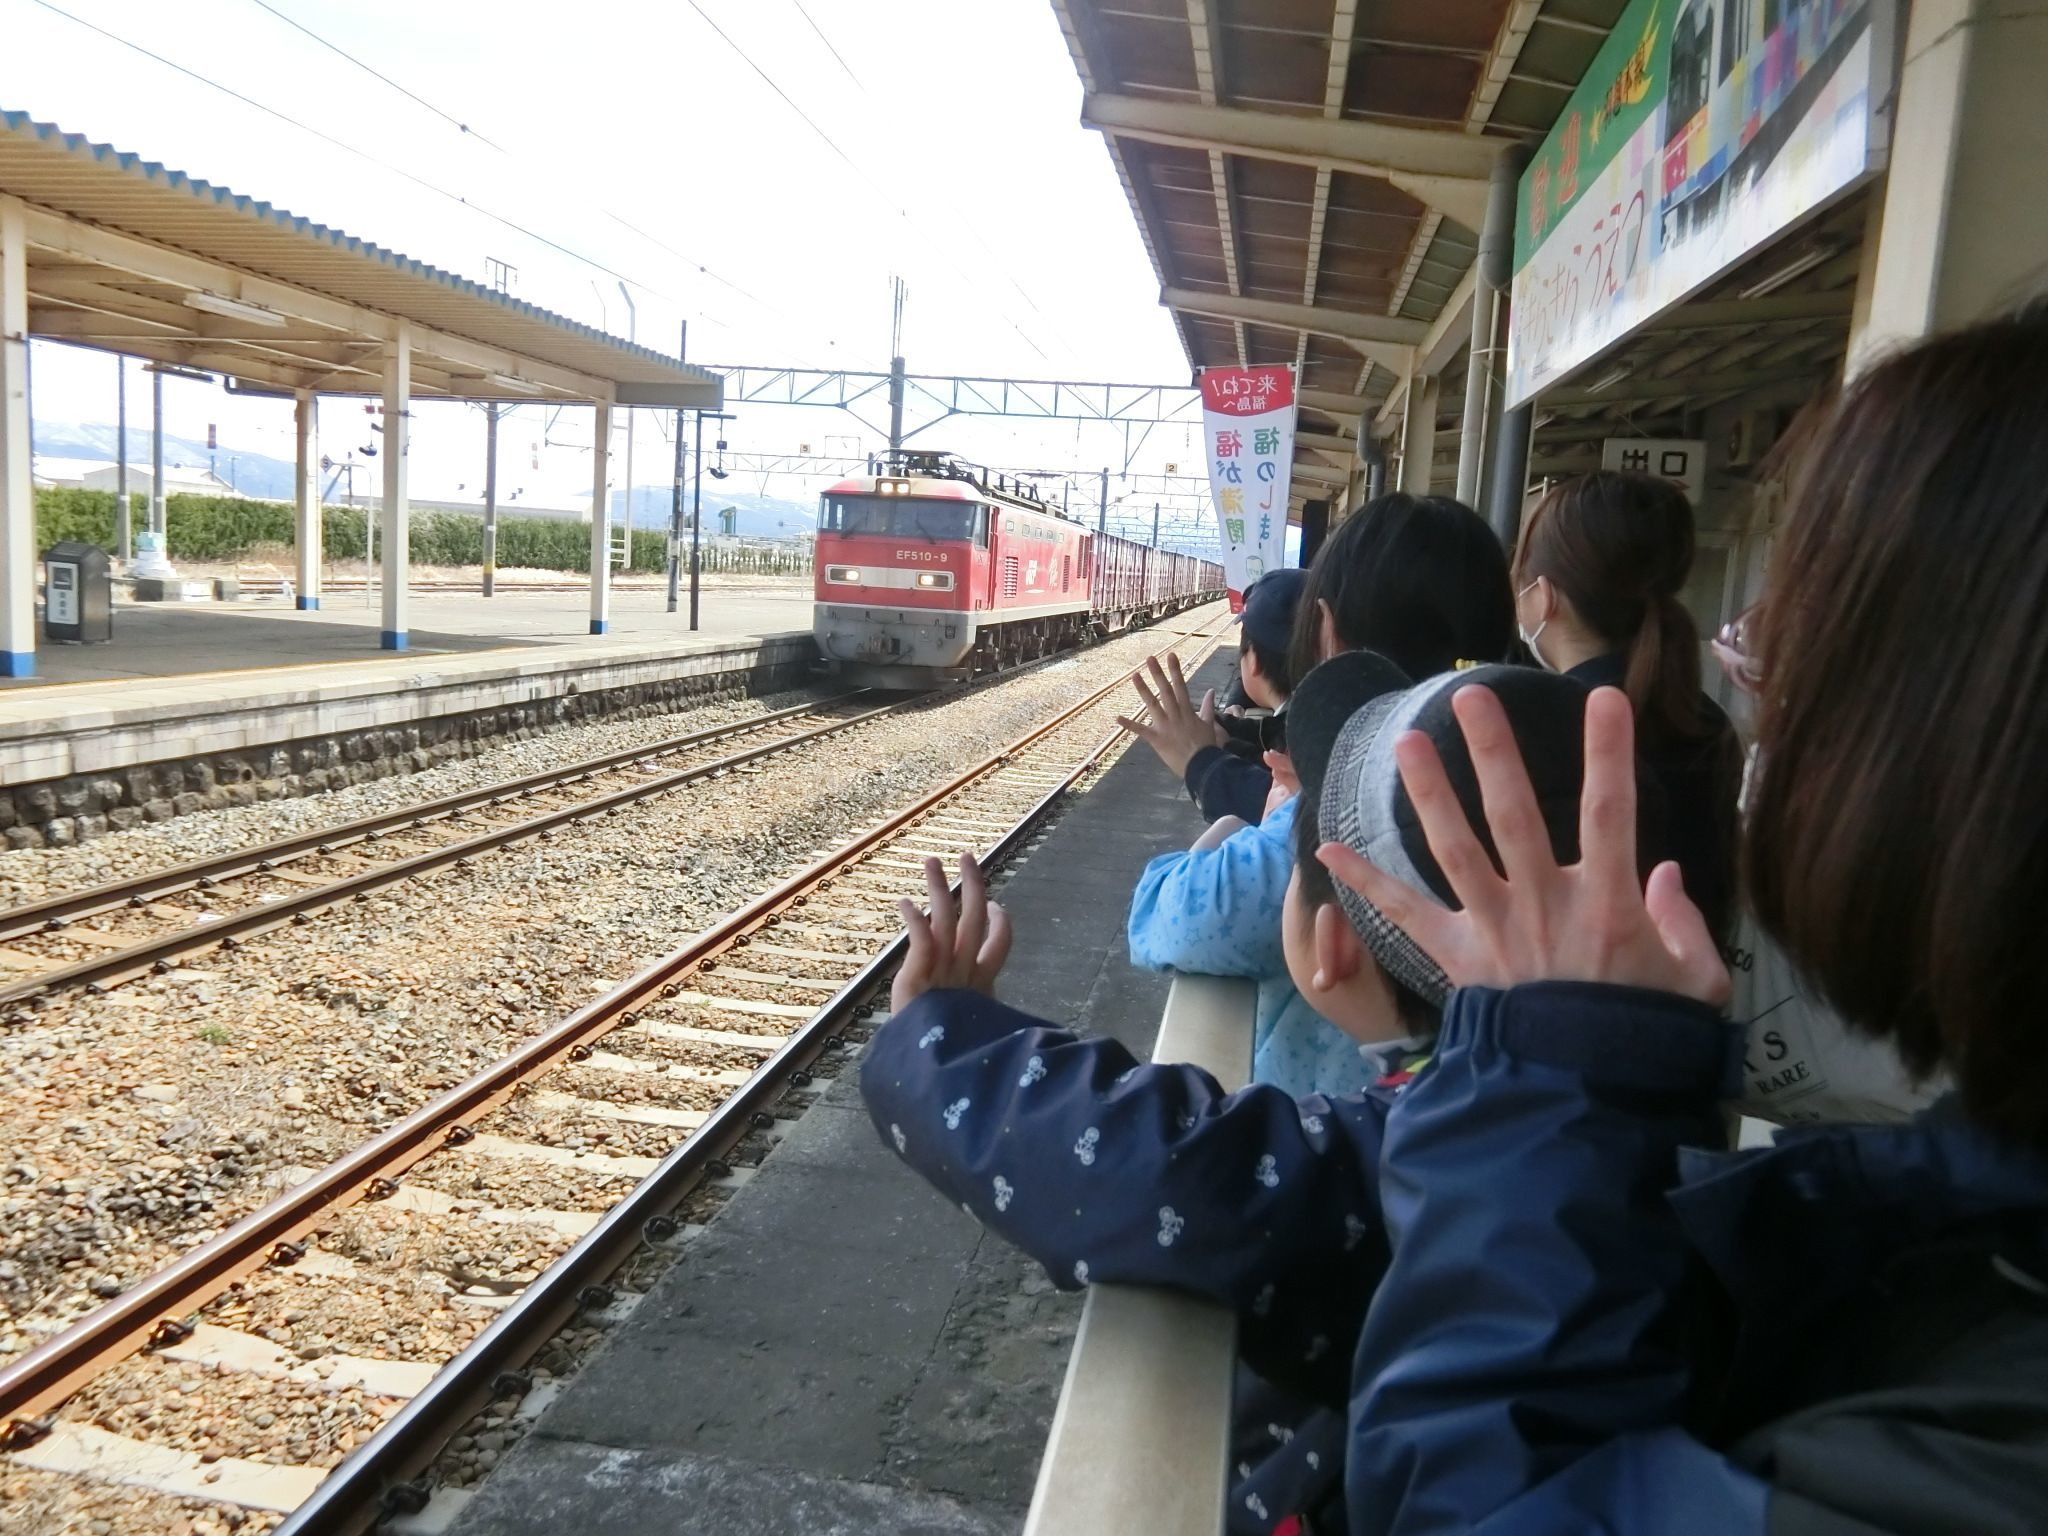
pixel 907 518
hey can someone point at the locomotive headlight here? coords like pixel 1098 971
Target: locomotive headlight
pixel 847 574
pixel 941 581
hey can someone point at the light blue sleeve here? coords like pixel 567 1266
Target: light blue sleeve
pixel 1217 913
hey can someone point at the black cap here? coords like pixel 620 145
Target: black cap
pixel 1324 701
pixel 1363 804
pixel 1269 605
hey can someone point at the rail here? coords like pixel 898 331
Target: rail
pixel 160 1310
pixel 1140 1440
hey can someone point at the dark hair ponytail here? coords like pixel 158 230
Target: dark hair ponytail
pixel 1618 547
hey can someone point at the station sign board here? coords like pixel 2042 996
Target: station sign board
pixel 1681 460
pixel 1248 424
pixel 1701 129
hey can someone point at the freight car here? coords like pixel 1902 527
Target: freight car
pixel 933 570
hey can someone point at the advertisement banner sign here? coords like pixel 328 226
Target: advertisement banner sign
pixel 1701 129
pixel 1248 422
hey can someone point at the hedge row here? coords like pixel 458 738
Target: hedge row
pixel 224 528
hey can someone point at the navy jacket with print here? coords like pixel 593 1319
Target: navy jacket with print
pixel 1509 1268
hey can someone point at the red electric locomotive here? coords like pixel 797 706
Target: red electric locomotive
pixel 934 570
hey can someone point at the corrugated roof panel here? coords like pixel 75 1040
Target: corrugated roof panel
pixel 104 186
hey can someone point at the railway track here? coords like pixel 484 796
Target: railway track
pixel 110 933
pixel 474 1229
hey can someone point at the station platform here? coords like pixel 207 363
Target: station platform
pixel 840 1349
pixel 262 703
pixel 160 640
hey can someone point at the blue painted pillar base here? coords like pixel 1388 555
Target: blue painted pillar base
pixel 394 639
pixel 17 663
pixel 600 626
pixel 308 603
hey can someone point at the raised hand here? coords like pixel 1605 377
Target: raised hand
pixel 963 946
pixel 1172 725
pixel 1541 921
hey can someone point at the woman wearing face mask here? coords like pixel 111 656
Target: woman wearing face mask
pixel 1602 560
pixel 1846 1331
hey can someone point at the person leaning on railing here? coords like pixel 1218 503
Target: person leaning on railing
pixel 1590 1323
pixel 1107 1169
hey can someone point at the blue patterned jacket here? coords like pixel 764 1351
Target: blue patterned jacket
pixel 1546 1310
pixel 1217 913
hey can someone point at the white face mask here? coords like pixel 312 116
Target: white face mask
pixel 1528 635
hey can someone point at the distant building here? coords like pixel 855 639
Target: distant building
pixel 104 475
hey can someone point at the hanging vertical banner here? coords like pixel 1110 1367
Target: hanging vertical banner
pixel 1248 419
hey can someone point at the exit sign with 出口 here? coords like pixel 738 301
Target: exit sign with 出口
pixel 1681 460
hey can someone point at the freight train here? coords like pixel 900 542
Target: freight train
pixel 933 570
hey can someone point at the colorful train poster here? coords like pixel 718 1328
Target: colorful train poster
pixel 1248 420
pixel 1701 130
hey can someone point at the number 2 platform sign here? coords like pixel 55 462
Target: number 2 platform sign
pixel 1248 420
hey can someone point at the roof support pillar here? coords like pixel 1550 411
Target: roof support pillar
pixel 601 522
pixel 306 531
pixel 1485 363
pixel 396 516
pixel 1418 435
pixel 17 487
pixel 1955 243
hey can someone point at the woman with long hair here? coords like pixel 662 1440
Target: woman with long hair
pixel 1597 580
pixel 1591 1320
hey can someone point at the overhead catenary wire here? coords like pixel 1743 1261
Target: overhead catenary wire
pixel 839 150
pixel 342 144
pixel 336 48
pixel 490 143
pixel 972 225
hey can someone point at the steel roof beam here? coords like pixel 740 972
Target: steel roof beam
pixel 1381 336
pixel 1331 403
pixel 155 263
pixel 1446 169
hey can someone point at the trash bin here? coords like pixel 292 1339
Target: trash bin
pixel 78 594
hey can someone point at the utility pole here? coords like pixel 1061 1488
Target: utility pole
pixel 675 511
pixel 1102 511
pixel 696 517
pixel 491 498
pixel 156 456
pixel 1155 525
pixel 124 529
pixel 697 508
pixel 632 335
pixel 899 291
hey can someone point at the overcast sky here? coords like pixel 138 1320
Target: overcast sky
pixel 628 139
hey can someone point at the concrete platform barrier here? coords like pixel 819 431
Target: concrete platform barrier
pixel 1141 1438
pixel 80 760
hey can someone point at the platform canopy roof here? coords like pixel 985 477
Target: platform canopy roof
pixel 132 256
pixel 1310 175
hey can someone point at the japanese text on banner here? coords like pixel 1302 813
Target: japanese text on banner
pixel 1248 421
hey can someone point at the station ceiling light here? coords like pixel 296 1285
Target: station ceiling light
pixel 1798 266
pixel 518 386
pixel 235 309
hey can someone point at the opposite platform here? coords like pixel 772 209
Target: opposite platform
pixel 76 760
pixel 841 1350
